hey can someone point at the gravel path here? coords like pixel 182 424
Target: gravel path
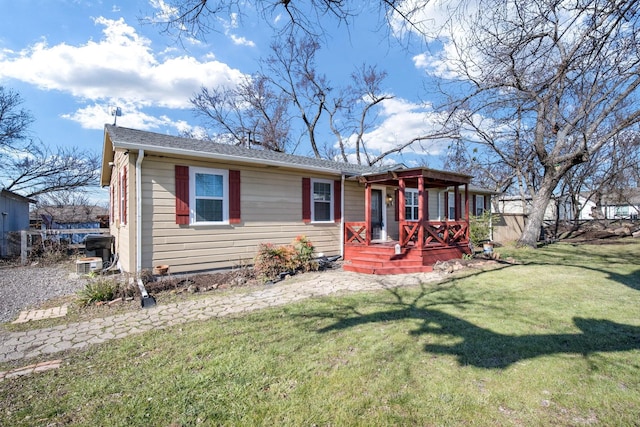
pixel 23 287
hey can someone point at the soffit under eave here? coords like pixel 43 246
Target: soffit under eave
pixel 107 157
pixel 432 178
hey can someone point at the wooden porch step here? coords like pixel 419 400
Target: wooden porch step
pixel 382 259
pixel 387 270
pixel 382 251
pixel 379 262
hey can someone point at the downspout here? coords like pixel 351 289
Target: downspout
pixel 139 211
pixel 342 216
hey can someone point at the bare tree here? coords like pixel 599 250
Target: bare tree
pixel 42 171
pixel 248 114
pixel 565 75
pixel 197 18
pixel 292 68
pixel 28 166
pixel 14 121
pixel 352 112
pixel 609 173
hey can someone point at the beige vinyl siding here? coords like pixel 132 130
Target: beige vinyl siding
pixel 271 206
pixel 353 201
pixel 124 233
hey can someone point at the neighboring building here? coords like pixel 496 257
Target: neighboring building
pixel 197 205
pixel 623 204
pixel 559 208
pixel 70 217
pixel 14 216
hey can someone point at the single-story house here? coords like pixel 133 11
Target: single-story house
pixel 14 216
pixel 558 207
pixel 198 205
pixel 623 204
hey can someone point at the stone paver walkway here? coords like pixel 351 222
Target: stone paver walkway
pixel 41 342
pixel 48 313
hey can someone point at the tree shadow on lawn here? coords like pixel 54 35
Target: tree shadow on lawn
pixel 582 252
pixel 631 280
pixel 484 348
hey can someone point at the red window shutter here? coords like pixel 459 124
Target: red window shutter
pixel 182 194
pixel 397 205
pixel 306 200
pixel 337 201
pixel 234 197
pixel 124 196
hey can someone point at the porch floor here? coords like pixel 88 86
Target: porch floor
pixel 381 257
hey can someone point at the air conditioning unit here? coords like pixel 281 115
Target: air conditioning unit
pixel 87 265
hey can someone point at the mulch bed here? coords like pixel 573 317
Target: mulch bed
pixel 200 282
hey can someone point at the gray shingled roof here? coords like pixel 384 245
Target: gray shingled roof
pixel 136 139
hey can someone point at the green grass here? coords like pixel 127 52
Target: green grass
pixel 552 341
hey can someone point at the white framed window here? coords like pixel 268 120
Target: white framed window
pixel 452 205
pixel 209 196
pixel 479 208
pixel 322 200
pixel 411 204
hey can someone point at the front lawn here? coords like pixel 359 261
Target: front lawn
pixel 554 340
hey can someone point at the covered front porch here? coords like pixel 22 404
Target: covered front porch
pixel 417 237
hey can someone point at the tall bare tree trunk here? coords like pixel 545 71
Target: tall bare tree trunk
pixel 539 205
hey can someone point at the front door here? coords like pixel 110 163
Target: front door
pixel 377 203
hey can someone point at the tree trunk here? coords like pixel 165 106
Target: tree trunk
pixel 539 205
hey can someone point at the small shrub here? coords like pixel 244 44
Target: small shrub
pixel 272 260
pixel 98 290
pixel 480 228
pixel 49 252
pixel 304 254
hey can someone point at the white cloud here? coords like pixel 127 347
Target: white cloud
pixel 229 26
pixel 165 11
pixel 96 115
pixel 241 41
pixel 121 65
pixel 439 22
pixel 401 122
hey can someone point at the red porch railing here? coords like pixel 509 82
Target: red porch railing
pixel 432 233
pixel 355 233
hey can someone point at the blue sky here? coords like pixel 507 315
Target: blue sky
pixel 73 60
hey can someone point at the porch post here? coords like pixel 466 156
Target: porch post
pixel 456 203
pixel 421 204
pixel 367 212
pixel 401 212
pixel 466 209
pixel 446 206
